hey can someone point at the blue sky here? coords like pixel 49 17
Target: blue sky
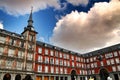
pixel 78 25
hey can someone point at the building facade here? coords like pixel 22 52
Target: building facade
pixel 17 52
pixel 22 54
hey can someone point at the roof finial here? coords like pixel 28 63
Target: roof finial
pixel 31 9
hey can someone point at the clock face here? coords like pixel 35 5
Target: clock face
pixel 32 28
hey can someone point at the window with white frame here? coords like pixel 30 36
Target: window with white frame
pixel 19 65
pixel 2 39
pixel 115 53
pixel 91 59
pixel 51 60
pixel 1 50
pixel 47 60
pixel 68 56
pixel 81 59
pixel 30 56
pixel 119 52
pixel 77 64
pixel 89 72
pixel 57 70
pixel 68 63
pixel 113 68
pixel 8 64
pixel 106 56
pixel 76 58
pixel 39 50
pixel 117 60
pixel 72 57
pixel 56 53
pixel 11 52
pixel 80 72
pixel 102 64
pixel 51 53
pixel 111 55
pixel 112 61
pixel 73 64
pixel 65 56
pixel 20 54
pixel 46 69
pixel 94 58
pixel 39 68
pixel 95 64
pixel 93 72
pixel 65 63
pixel 61 62
pixel 92 65
pixel 65 70
pixel 46 51
pixel 83 72
pixel 61 70
pixel 29 67
pixel 88 65
pixel 40 58
pixel 22 44
pixel 87 60
pixel 82 65
pixel 108 62
pixel 52 69
pixel 56 61
pixel 60 55
pixel 31 38
pixel 118 67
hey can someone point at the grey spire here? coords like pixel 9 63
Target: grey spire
pixel 30 21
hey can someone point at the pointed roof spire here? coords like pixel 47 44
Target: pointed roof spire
pixel 30 24
pixel 30 21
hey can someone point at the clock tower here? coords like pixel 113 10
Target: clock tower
pixel 29 34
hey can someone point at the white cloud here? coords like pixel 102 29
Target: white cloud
pixel 1 25
pixel 82 32
pixel 20 7
pixel 78 2
pixel 42 39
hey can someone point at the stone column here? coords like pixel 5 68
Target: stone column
pixel 112 76
pixel 59 77
pixel 49 77
pixel 69 78
pixel 119 76
pixel 42 77
pixel 98 77
pixel 76 77
pixel 86 78
pixel 54 77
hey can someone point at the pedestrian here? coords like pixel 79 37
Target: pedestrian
pixel 18 77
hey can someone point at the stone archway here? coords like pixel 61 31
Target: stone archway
pixel 73 75
pixel 103 74
pixel 7 76
pixel 18 77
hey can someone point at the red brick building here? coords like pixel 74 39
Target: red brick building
pixel 54 63
pixel 58 64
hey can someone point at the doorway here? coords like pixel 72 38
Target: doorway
pixel 7 76
pixel 116 77
pixel 73 75
pixel 103 74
